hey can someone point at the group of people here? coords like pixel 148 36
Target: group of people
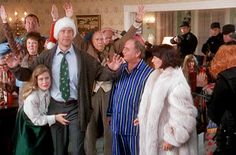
pixel 221 108
pixel 219 51
pixel 75 84
pixel 67 116
pixel 187 41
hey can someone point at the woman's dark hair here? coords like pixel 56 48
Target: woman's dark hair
pixel 37 37
pixel 168 54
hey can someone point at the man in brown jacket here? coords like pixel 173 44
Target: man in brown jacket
pixel 83 71
pixel 101 92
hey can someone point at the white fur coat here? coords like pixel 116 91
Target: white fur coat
pixel 167 113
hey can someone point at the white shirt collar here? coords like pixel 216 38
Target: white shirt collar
pixel 59 50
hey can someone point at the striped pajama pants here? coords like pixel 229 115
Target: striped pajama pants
pixel 125 144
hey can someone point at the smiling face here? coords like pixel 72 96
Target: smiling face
pixel 65 37
pixel 31 24
pixel 32 46
pixel 44 81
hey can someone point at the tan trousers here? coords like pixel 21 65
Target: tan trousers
pixel 100 105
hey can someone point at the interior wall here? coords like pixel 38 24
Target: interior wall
pixel 111 11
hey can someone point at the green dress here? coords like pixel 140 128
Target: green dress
pixel 31 139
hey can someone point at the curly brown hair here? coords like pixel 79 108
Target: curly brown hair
pixel 37 37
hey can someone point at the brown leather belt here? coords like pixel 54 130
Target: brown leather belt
pixel 66 102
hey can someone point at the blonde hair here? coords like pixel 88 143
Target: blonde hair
pixel 189 58
pixel 225 58
pixel 32 85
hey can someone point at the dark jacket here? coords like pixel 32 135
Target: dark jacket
pixel 212 44
pixel 224 96
pixel 90 70
pixel 187 44
pixel 222 110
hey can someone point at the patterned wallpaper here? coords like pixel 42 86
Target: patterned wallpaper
pixel 111 11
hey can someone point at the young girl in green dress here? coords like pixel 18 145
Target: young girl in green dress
pixel 33 136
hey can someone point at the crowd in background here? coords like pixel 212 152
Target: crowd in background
pixel 142 98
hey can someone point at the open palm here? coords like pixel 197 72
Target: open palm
pixel 115 63
pixel 3 14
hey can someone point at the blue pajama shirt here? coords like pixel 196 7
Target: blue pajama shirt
pixel 123 108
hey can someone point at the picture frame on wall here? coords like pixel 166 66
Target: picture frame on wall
pixel 88 23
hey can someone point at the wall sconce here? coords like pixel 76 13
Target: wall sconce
pixel 150 20
pixel 18 23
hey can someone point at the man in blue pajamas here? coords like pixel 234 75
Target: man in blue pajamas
pixel 125 98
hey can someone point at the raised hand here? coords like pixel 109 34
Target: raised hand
pixel 68 9
pixel 12 60
pixel 54 12
pixel 3 14
pixel 115 63
pixel 140 13
pixel 202 79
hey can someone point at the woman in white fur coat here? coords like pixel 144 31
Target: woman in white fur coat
pixel 167 116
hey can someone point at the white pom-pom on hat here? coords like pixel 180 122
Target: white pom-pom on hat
pixel 50 45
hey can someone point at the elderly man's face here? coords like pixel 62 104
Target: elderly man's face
pixel 130 53
pixel 31 24
pixel 65 37
pixel 98 41
pixel 108 34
